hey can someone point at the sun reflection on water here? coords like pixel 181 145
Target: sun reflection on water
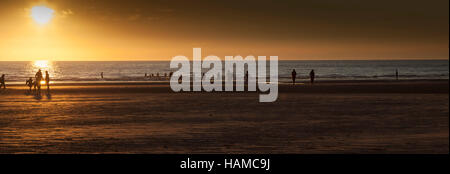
pixel 42 64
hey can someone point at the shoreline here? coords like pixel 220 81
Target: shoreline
pixel 298 81
pixel 350 86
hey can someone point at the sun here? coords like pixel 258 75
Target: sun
pixel 42 14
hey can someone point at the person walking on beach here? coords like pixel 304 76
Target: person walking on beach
pixel 2 82
pixel 246 77
pixel 396 74
pixel 312 75
pixel 47 81
pixel 38 77
pixel 29 83
pixel 101 75
pixel 294 75
pixel 34 84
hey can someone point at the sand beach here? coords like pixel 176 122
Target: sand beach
pixel 408 116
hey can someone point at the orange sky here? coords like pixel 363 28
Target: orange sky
pixel 158 30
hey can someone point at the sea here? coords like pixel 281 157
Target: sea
pixel 135 71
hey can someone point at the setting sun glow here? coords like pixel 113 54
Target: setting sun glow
pixel 41 63
pixel 41 14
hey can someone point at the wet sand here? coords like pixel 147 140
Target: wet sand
pixel 328 117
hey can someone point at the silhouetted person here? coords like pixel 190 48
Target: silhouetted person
pixel 171 73
pixel 29 83
pixel 294 76
pixel 47 81
pixel 312 75
pixel 246 77
pixel 34 84
pixel 2 82
pixel 145 75
pixel 396 74
pixel 38 77
pixel 101 75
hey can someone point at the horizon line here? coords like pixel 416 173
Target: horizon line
pixel 159 60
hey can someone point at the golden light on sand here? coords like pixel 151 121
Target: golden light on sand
pixel 41 14
pixel 41 63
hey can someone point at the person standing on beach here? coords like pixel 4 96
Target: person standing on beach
pixel 101 75
pixel 312 75
pixel 29 83
pixel 396 74
pixel 2 82
pixel 38 77
pixel 47 81
pixel 34 85
pixel 294 75
pixel 246 77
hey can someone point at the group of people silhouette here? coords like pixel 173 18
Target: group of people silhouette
pixel 37 83
pixel 312 76
pixel 157 76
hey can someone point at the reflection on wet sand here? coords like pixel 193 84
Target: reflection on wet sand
pixel 147 119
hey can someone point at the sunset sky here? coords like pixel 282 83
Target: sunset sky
pixel 158 30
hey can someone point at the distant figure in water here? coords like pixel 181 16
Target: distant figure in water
pixel 101 75
pixel 396 74
pixel 170 74
pixel 47 81
pixel 312 75
pixel 145 75
pixel 294 75
pixel 37 83
pixel 2 82
pixel 29 83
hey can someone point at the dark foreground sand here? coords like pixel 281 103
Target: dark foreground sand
pixel 329 117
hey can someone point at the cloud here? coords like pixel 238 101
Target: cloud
pixel 67 12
